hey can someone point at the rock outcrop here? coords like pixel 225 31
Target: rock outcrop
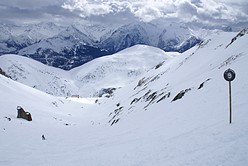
pixel 23 114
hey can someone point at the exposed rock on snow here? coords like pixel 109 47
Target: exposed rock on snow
pixel 240 34
pixel 23 114
pixel 3 73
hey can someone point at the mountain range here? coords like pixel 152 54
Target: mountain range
pixel 70 46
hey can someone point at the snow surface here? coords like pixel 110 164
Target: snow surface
pixel 117 70
pixel 113 71
pixel 151 130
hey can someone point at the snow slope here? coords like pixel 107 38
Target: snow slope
pixel 189 74
pixel 51 116
pixel 140 124
pixel 193 130
pixel 112 71
pixel 37 75
pixel 117 70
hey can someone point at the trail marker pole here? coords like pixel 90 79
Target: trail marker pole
pixel 229 76
pixel 230 101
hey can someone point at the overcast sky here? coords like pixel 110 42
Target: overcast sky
pixel 205 11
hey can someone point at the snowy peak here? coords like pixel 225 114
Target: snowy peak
pixel 74 45
pixel 16 37
pixel 177 37
pixel 124 37
pixel 172 37
pixel 96 31
pixel 64 50
pixel 72 33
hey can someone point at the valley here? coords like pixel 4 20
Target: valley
pixel 142 123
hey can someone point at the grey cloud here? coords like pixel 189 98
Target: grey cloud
pixel 205 10
pixel 210 11
pixel 118 18
pixel 31 4
pixel 197 3
pixel 16 14
pixel 187 9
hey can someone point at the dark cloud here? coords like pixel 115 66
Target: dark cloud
pixel 31 4
pixel 205 11
pixel 34 13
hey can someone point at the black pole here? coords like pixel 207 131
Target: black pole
pixel 230 101
pixel 229 76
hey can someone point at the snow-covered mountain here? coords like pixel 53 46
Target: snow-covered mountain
pixel 16 37
pixel 169 37
pixel 117 70
pixel 188 75
pixel 124 37
pixel 175 114
pixel 72 46
pixel 37 75
pixel 91 79
pixel 68 49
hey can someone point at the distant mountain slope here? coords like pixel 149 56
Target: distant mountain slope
pixel 68 49
pixel 16 37
pixel 37 75
pixel 119 69
pixel 89 79
pixel 73 45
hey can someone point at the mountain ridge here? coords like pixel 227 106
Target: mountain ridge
pixel 88 79
pixel 74 45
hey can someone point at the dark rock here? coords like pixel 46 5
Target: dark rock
pixel 180 94
pixel 115 121
pixel 164 97
pixel 240 34
pixel 22 114
pixel 9 119
pixel 106 91
pixel 159 65
pixel 4 74
pixel 135 100
pixel 152 96
pixel 201 85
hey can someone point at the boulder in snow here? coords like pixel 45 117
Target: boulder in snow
pixel 22 114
